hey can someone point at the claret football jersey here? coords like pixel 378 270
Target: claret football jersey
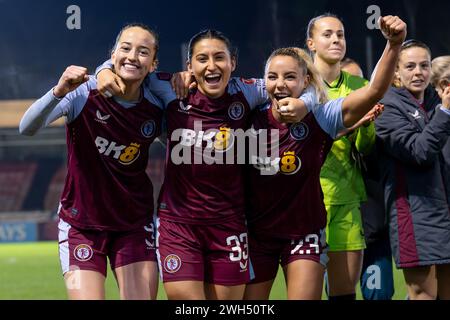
pixel 284 192
pixel 203 184
pixel 106 187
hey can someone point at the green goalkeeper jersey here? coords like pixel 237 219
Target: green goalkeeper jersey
pixel 340 176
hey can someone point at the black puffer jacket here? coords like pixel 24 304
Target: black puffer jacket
pixel 414 153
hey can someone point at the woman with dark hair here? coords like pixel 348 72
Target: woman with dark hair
pixel 413 133
pixel 106 209
pixel 202 233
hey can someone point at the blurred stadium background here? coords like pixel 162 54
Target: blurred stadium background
pixel 38 44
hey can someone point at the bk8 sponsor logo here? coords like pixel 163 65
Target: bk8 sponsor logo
pixel 219 140
pixel 288 164
pixel 124 154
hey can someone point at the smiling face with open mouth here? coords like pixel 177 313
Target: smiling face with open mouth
pixel 134 56
pixel 414 70
pixel 284 78
pixel 211 64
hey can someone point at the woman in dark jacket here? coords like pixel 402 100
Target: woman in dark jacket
pixel 412 136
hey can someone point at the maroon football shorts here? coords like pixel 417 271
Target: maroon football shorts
pixel 216 254
pixel 268 252
pixel 89 249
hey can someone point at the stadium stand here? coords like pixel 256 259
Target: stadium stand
pixel 27 169
pixel 15 183
pixel 54 189
pixel 11 112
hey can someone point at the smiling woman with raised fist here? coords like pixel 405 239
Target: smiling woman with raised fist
pixel 106 209
pixel 286 215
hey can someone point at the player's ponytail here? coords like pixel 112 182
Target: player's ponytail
pixel 315 79
pixel 306 64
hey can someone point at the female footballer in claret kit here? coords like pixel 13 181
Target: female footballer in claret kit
pixel 106 208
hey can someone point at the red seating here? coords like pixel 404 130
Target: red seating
pixel 15 182
pixel 55 189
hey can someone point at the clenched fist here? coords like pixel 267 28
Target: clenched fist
pixel 393 29
pixel 71 79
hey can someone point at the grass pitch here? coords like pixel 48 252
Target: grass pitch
pixel 32 271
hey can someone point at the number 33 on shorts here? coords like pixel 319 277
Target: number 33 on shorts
pixel 239 248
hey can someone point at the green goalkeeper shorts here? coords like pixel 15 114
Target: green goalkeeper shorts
pixel 345 228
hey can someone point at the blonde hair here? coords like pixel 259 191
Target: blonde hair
pixel 306 64
pixel 440 69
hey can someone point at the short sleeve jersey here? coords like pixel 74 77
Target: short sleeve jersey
pixel 196 188
pixel 288 202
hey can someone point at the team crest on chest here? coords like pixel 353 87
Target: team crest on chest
pixel 148 128
pixel 83 252
pixel 236 111
pixel 299 131
pixel 172 263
